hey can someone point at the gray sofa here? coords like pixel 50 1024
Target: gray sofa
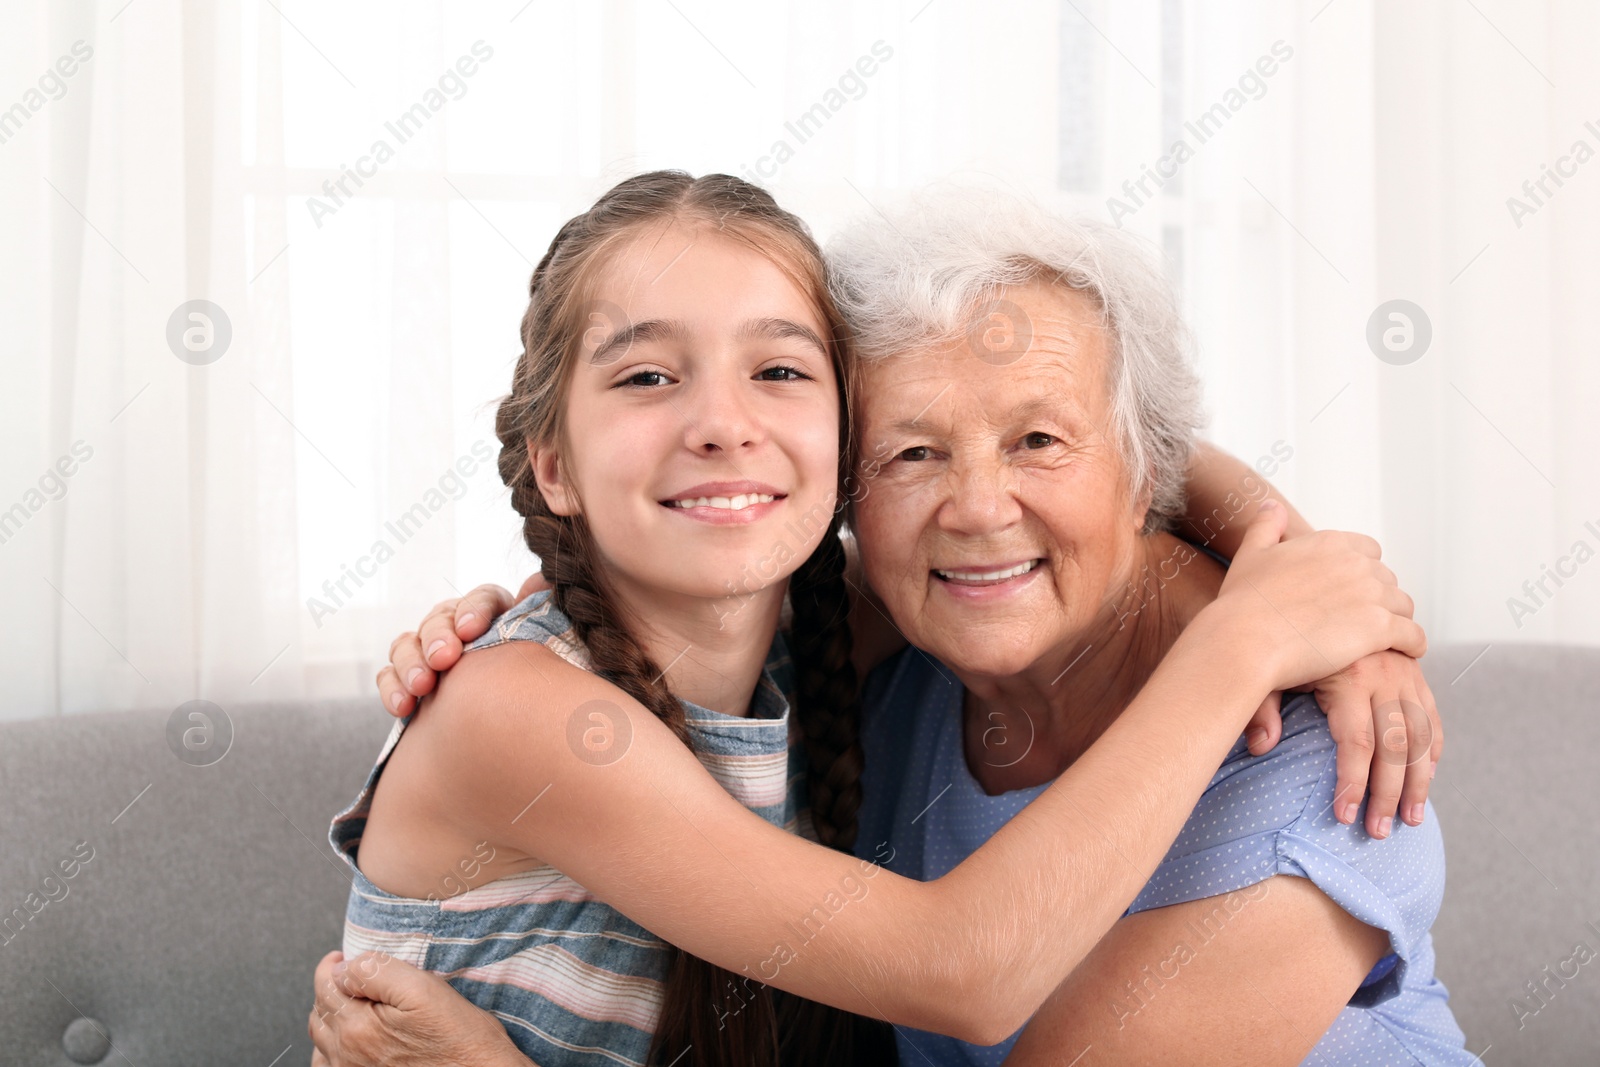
pixel 202 892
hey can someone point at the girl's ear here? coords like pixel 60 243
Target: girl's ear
pixel 552 481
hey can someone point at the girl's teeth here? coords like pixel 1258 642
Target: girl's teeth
pixel 989 576
pixel 727 503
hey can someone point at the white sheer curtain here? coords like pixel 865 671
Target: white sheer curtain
pixel 1381 171
pixel 362 189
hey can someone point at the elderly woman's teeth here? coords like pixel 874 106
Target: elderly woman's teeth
pixel 988 576
pixel 726 503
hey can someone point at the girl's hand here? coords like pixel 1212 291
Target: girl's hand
pixel 382 1012
pixel 417 657
pixel 1313 605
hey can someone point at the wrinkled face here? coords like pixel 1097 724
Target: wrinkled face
pixel 702 425
pixel 994 514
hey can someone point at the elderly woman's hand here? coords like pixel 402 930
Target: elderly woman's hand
pixel 1383 717
pixel 417 656
pixel 382 1012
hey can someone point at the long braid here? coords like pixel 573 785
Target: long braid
pixel 830 702
pixel 830 722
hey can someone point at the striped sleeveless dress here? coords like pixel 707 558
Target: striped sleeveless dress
pixel 575 981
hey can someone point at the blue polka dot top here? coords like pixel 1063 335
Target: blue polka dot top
pixel 1260 816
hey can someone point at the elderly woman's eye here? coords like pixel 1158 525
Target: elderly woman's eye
pixel 915 454
pixel 1038 440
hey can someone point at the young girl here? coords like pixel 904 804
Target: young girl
pixel 547 837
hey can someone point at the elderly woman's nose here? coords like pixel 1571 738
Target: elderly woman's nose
pixel 980 498
pixel 717 414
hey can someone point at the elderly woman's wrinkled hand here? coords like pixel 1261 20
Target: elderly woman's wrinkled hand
pixel 417 657
pixel 1383 716
pixel 379 1011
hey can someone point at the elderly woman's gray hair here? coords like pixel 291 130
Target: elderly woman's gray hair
pixel 923 272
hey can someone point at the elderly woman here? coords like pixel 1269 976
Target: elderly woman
pixel 1026 422
pixel 1029 464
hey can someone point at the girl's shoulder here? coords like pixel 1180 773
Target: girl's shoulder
pixel 525 677
pixel 516 710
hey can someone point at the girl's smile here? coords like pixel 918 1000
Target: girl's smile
pixel 727 503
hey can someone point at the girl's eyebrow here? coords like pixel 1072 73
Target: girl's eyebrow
pixel 771 329
pixel 637 333
pixel 650 330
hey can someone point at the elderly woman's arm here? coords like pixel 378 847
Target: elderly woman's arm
pixel 1152 992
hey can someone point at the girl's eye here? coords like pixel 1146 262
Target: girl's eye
pixel 1038 440
pixel 645 378
pixel 915 454
pixel 783 374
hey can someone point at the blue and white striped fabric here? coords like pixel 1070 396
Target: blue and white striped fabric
pixel 574 980
pixel 1261 816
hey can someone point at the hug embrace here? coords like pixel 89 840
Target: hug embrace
pixel 889 691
